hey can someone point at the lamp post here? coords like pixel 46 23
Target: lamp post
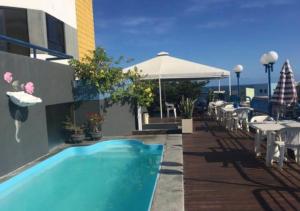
pixel 238 69
pixel 268 60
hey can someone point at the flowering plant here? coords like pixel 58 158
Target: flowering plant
pixel 28 87
pixel 95 121
pixel 8 77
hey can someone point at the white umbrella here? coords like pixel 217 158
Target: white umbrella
pixel 165 67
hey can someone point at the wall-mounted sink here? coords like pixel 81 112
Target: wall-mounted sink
pixel 23 99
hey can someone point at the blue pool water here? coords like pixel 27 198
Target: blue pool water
pixel 112 175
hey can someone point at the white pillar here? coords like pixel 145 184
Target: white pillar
pixel 160 100
pixel 139 116
pixel 219 85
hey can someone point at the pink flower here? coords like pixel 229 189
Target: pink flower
pixel 29 88
pixel 8 77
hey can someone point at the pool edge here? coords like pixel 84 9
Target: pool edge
pixel 53 159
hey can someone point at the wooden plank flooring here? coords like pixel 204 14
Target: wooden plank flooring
pixel 222 173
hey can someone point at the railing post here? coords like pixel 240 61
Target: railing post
pixel 34 53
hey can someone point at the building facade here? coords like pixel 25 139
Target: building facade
pixel 66 26
pixel 85 27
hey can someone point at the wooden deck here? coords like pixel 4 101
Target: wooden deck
pixel 222 173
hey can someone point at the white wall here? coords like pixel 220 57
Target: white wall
pixel 65 10
pixel 46 56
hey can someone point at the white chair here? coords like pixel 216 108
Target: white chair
pixel 239 119
pixel 224 116
pixel 259 135
pixel 287 138
pixel 261 118
pixel 211 109
pixel 171 107
pixel 219 113
pixel 219 102
pixel 214 111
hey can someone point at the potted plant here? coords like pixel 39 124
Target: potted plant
pixel 186 108
pixel 95 121
pixel 75 133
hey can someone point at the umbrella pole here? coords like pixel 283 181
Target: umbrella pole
pixel 229 83
pixel 160 101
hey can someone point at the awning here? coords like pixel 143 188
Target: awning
pixel 164 66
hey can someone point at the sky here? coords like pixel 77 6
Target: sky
pixel 220 33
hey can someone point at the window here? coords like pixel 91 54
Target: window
pixel 55 34
pixel 13 23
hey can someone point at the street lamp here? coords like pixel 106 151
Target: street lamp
pixel 268 60
pixel 238 69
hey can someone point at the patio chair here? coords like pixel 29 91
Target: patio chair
pixel 213 108
pixel 218 110
pixel 286 138
pixel 261 118
pixel 210 110
pixel 259 135
pixel 171 107
pixel 239 119
pixel 224 116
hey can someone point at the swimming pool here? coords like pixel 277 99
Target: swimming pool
pixel 111 175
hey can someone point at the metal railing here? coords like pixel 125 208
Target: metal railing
pixel 58 55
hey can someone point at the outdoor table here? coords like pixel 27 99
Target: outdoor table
pixel 226 113
pixel 269 127
pixel 231 110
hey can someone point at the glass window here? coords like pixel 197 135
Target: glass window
pixel 55 34
pixel 13 23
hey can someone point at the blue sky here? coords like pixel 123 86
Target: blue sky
pixel 219 33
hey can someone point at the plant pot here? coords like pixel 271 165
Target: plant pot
pixel 187 125
pixel 96 135
pixel 77 138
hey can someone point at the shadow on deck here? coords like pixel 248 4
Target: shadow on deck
pixel 221 172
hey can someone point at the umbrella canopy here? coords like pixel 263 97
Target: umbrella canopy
pixel 164 66
pixel 285 92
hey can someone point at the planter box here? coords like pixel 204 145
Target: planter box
pixel 187 125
